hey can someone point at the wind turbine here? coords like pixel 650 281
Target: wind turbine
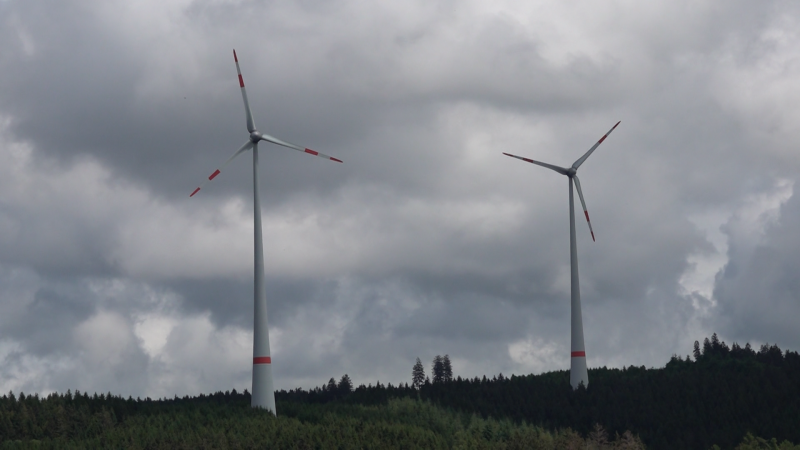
pixel 263 393
pixel 577 371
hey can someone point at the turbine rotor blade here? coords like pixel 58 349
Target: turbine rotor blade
pixel 560 170
pixel 586 155
pixel 251 126
pixel 583 203
pixel 268 138
pixel 247 146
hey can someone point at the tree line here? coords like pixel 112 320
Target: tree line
pixel 716 397
pixel 720 396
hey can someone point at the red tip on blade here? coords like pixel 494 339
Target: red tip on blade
pixel 213 175
pixel 194 192
pixel 579 354
pixel 241 81
pixel 234 56
pixel 615 126
pixel 262 360
pixel 337 160
pixel 308 150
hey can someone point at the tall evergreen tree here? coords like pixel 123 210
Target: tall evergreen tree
pixel 438 369
pixel 345 384
pixel 448 369
pixel 697 353
pixel 418 375
pixel 706 347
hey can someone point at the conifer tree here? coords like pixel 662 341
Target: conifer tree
pixel 418 375
pixel 438 369
pixel 345 384
pixel 448 369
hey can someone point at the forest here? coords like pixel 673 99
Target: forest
pixel 720 397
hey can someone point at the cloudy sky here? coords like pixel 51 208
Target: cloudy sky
pixel 427 240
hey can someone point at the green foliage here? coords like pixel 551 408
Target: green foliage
pixel 723 398
pixel 714 399
pixel 751 442
pixel 223 421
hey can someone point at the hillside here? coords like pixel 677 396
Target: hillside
pixel 717 398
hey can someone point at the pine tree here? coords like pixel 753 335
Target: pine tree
pixel 345 385
pixel 448 369
pixel 438 369
pixel 418 375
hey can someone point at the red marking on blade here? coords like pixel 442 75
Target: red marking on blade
pixel 579 354
pixel 615 126
pixel 195 192
pixel 587 214
pixel 262 360
pixel 241 81
pixel 214 175
pixel 528 160
pixel 308 150
pixel 234 56
pixel 337 160
pixel 602 139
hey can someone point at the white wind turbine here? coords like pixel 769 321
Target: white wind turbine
pixel 263 393
pixel 577 372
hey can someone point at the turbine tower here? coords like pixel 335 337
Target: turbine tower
pixel 263 393
pixel 577 371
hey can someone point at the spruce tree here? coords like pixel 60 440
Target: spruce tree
pixel 418 375
pixel 345 385
pixel 438 369
pixel 448 369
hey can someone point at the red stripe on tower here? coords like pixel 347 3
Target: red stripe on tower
pixel 213 175
pixel 241 81
pixel 308 150
pixel 580 354
pixel 262 360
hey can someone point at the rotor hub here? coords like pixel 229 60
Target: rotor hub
pixel 255 136
pixel 571 172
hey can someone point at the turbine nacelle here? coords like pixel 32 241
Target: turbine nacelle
pixel 571 172
pixel 255 136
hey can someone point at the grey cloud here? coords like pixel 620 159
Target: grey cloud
pixel 426 240
pixel 758 289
